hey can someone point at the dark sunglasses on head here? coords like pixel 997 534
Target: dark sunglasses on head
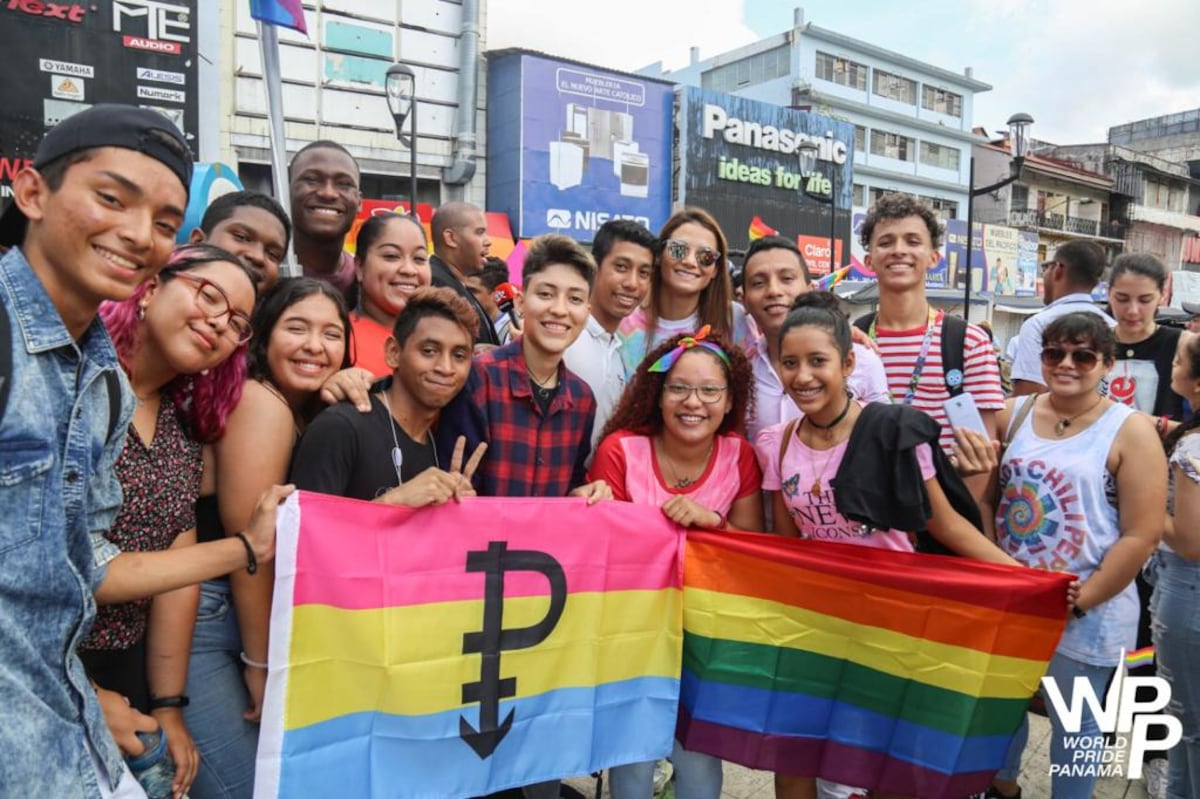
pixel 1084 359
pixel 706 257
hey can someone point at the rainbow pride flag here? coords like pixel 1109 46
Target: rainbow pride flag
pixel 832 279
pixel 884 670
pixel 461 650
pixel 759 228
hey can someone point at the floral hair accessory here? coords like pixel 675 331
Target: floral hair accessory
pixel 700 339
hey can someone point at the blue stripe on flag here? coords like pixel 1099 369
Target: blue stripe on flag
pixel 780 713
pixel 557 734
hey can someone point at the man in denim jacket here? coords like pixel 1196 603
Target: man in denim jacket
pixel 92 218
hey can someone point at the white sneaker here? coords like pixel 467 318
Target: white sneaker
pixel 1154 773
pixel 663 770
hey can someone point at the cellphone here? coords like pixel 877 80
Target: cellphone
pixel 963 414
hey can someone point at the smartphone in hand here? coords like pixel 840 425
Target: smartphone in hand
pixel 963 414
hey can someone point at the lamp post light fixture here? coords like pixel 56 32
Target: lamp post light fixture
pixel 401 87
pixel 808 151
pixel 1018 137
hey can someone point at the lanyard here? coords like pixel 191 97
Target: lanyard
pixel 934 320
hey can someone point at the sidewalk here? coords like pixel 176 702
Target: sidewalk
pixel 743 783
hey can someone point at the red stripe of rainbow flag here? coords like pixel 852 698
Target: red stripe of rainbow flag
pixel 900 673
pixel 759 228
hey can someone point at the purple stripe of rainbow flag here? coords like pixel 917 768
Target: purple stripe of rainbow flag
pixel 884 670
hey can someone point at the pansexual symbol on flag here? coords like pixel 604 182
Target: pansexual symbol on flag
pixel 899 673
pixel 461 650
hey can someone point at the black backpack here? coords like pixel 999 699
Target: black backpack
pixel 112 382
pixel 954 340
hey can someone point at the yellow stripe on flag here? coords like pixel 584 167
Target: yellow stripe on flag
pixel 393 660
pixel 758 621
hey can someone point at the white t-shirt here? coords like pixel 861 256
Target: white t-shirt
pixel 1028 363
pixel 596 357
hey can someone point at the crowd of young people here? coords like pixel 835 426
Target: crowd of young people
pixel 188 385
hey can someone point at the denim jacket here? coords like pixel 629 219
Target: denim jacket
pixel 58 493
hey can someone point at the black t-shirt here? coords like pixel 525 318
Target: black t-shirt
pixel 349 454
pixel 1141 377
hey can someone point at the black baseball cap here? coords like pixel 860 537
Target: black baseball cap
pixel 106 125
pixel 1191 308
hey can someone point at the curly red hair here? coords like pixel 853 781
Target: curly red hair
pixel 639 410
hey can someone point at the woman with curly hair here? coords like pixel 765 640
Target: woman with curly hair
pixel 180 339
pixel 689 289
pixel 671 443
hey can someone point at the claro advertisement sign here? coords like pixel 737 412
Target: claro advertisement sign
pixel 571 146
pixel 60 58
pixel 741 158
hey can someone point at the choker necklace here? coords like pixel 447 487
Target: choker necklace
pixel 397 453
pixel 1060 427
pixel 827 429
pixel 684 482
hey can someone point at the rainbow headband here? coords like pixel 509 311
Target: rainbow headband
pixel 686 343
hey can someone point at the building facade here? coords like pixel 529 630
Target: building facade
pixel 912 120
pixel 333 88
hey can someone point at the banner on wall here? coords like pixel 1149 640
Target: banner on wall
pixel 571 146
pixel 740 160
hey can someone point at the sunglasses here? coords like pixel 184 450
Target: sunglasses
pixel 706 257
pixel 1084 359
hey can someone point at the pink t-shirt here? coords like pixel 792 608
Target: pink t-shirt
pixel 626 462
pixel 815 515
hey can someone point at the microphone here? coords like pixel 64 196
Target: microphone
pixel 504 296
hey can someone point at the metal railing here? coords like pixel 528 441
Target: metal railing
pixel 1067 224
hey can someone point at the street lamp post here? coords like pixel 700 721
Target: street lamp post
pixel 401 86
pixel 808 164
pixel 1018 135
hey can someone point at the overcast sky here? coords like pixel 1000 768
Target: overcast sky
pixel 1077 66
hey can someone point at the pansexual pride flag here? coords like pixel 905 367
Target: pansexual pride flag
pixel 884 670
pixel 460 650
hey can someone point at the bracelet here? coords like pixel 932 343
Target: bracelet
pixel 180 700
pixel 722 522
pixel 254 664
pixel 1161 425
pixel 1078 612
pixel 251 561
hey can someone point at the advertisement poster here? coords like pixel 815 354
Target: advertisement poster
pixel 1004 259
pixel 572 146
pixel 63 58
pixel 740 158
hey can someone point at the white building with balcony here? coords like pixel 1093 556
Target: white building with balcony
pixel 913 131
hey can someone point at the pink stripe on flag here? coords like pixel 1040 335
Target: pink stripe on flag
pixel 425 561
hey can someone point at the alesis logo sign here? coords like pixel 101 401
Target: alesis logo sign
pixel 66 11
pixel 152 25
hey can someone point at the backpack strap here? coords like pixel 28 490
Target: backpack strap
pixel 864 322
pixel 113 384
pixel 786 440
pixel 6 359
pixel 954 340
pixel 1014 424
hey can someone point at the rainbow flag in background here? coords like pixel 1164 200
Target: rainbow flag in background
pixel 285 13
pixel 891 671
pixel 832 279
pixel 461 650
pixel 759 228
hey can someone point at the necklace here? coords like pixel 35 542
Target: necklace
pixel 539 381
pixel 819 476
pixel 827 429
pixel 683 482
pixel 397 453
pixel 1060 427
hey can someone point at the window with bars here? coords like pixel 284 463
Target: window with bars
pixel 758 68
pixel 894 87
pixel 945 209
pixel 841 71
pixel 939 155
pixel 892 145
pixel 942 101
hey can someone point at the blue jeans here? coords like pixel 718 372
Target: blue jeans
pixel 697 776
pixel 227 743
pixel 1176 627
pixel 1064 670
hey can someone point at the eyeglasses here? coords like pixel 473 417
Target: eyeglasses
pixel 706 257
pixel 1084 359
pixel 1047 265
pixel 707 394
pixel 214 304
